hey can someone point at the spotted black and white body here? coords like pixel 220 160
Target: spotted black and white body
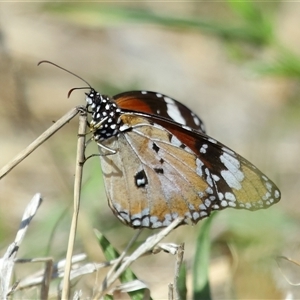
pixel 163 165
pixel 106 120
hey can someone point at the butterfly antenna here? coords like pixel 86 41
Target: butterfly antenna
pixel 78 88
pixel 69 93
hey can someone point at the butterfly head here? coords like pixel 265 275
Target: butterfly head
pixel 105 115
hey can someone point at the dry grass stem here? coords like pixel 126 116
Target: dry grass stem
pixel 77 189
pixel 170 291
pixel 178 263
pixel 40 140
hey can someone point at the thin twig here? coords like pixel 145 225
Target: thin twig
pixel 77 188
pixel 40 140
pixel 170 291
pixel 47 279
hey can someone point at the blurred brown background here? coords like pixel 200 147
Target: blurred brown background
pixel 237 66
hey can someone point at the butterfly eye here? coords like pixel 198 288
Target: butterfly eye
pixel 166 166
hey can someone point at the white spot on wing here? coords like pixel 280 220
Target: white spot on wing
pixel 209 190
pixel 221 196
pixel 248 205
pixel 188 215
pixel 203 148
pixel 168 220
pixel 196 215
pixel 208 178
pixel 196 119
pixel 173 111
pixel 230 196
pixel 215 177
pixel 199 165
pixel 207 203
pixel 228 151
pixel 187 127
pixel 233 165
pixel 136 223
pixel 174 216
pixel 123 215
pixel 202 206
pixel 141 182
pixel 146 222
pixel 203 213
pixel 175 141
pixel 231 180
pixel 124 127
pixel 224 203
pixel 266 196
pixel 269 186
pixel 212 140
pixel 154 223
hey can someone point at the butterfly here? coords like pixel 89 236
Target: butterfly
pixel 158 163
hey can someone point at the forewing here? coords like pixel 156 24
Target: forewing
pixel 159 105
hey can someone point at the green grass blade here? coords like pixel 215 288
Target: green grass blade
pixel 111 253
pixel 257 23
pixel 181 282
pixel 201 287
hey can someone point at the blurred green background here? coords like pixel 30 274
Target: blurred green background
pixel 236 64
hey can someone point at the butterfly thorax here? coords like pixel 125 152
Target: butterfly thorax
pixel 105 115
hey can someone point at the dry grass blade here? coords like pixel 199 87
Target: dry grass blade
pixel 131 286
pixel 282 272
pixel 7 261
pixel 171 248
pixel 57 270
pixel 40 140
